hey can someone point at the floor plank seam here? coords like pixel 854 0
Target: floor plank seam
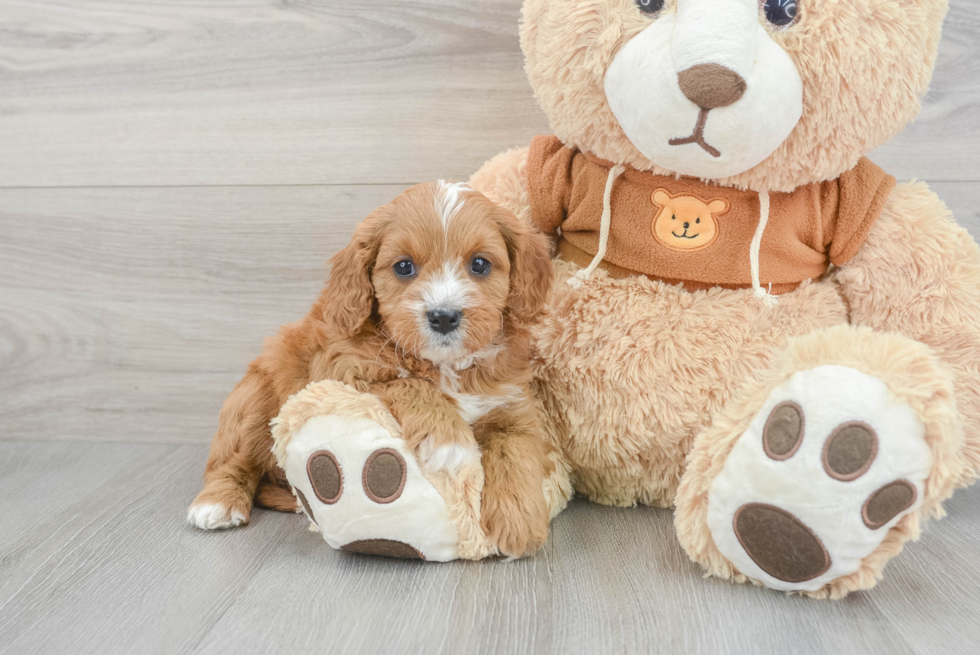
pixel 306 185
pixel 324 185
pixel 204 441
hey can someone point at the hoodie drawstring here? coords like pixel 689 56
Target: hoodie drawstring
pixel 576 280
pixel 754 248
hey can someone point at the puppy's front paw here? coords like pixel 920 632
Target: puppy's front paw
pixel 448 457
pixel 518 526
pixel 215 516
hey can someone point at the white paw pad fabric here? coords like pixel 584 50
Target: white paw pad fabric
pixel 831 462
pixel 365 491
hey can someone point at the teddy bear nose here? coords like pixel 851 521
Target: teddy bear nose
pixel 687 225
pixel 710 86
pixel 444 321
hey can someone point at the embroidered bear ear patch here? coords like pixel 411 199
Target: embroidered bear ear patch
pixel 686 222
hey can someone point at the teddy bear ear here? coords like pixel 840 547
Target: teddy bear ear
pixel 718 206
pixel 661 197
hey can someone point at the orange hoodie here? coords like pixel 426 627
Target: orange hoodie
pixel 685 231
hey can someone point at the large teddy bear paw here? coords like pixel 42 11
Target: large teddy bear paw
pixel 827 476
pixel 364 490
pixel 810 489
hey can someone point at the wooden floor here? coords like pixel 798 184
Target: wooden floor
pixel 173 174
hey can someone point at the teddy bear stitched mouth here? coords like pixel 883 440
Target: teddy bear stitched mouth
pixel 685 235
pixel 698 136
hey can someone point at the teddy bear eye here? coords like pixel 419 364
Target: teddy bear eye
pixel 673 218
pixel 650 6
pixel 698 220
pixel 404 268
pixel 779 12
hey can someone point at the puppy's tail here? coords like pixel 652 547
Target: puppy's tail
pixel 272 496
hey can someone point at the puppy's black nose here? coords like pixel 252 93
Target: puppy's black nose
pixel 444 321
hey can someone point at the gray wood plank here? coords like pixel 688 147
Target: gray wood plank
pixel 39 484
pixel 119 571
pixel 963 199
pixel 257 92
pixel 130 313
pixel 929 591
pixel 351 604
pixel 201 92
pixel 111 567
pixel 623 584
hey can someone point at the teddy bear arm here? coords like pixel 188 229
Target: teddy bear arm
pixel 503 180
pixel 918 274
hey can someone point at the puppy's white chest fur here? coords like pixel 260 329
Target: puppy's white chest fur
pixel 473 407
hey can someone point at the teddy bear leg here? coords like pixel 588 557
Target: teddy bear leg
pixel 364 490
pixel 918 274
pixel 815 474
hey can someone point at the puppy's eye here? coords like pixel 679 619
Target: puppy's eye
pixel 650 6
pixel 404 268
pixel 779 12
pixel 479 266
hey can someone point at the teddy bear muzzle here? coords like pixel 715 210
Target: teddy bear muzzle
pixel 705 91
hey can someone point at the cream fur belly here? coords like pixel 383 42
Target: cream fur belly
pixel 612 337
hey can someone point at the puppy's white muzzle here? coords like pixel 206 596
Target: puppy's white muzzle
pixel 447 293
pixel 747 98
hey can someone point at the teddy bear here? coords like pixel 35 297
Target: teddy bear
pixel 751 322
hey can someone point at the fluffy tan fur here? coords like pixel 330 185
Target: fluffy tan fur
pixel 632 382
pixel 366 331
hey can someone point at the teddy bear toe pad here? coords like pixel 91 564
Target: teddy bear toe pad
pixel 365 493
pixel 830 462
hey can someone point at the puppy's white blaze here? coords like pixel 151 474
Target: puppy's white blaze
pixel 449 200
pixel 451 457
pixel 448 289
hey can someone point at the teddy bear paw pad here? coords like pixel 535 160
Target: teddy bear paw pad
pixel 383 548
pixel 366 493
pixel 830 462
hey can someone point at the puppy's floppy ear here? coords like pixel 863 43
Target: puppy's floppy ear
pixel 531 272
pixel 349 296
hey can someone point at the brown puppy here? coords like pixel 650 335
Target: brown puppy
pixel 427 308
